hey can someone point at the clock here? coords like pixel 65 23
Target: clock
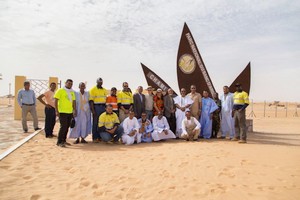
pixel 187 63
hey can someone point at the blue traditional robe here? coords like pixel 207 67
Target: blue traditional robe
pixel 147 130
pixel 208 107
pixel 83 125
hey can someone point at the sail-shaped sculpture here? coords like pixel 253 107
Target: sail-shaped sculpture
pixel 154 80
pixel 192 71
pixel 190 66
pixel 244 78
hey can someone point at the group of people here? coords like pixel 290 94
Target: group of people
pixel 138 117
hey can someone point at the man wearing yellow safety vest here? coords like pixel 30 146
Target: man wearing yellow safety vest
pixel 97 104
pixel 240 103
pixel 125 102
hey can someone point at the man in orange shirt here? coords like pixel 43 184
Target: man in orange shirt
pixel 112 100
pixel 50 116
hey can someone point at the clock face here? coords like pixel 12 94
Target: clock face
pixel 187 63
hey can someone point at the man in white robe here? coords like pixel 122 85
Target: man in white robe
pixel 182 103
pixel 161 128
pixel 83 125
pixel 190 127
pixel 227 121
pixel 131 130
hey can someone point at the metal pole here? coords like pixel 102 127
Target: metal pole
pixel 9 96
pixel 286 109
pixel 275 110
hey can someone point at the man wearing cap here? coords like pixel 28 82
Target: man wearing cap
pixel 125 102
pixel 97 102
pixel 149 104
pixel 27 102
pixel 112 99
pixel 227 122
pixel 139 102
pixel 240 103
pixel 109 126
pixel 182 103
pixel 190 127
pixel 161 128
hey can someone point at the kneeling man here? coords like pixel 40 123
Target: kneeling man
pixel 190 127
pixel 161 128
pixel 131 130
pixel 109 125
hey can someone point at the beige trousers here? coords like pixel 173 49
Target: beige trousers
pixel 32 111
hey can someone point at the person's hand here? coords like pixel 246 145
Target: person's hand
pixel 126 111
pixel 166 132
pixel 132 133
pixel 182 108
pixel 148 135
pixel 211 116
pixel 74 113
pixel 57 113
pixel 232 113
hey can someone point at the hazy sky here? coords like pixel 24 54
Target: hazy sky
pixel 86 39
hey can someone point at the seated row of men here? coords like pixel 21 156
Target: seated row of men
pixel 142 130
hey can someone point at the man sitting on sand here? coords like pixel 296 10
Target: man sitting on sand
pixel 190 127
pixel 109 125
pixel 131 130
pixel 145 128
pixel 161 128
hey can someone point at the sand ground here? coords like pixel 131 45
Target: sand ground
pixel 267 167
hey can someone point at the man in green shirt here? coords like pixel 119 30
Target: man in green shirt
pixel 65 106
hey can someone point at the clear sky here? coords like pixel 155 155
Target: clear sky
pixel 87 39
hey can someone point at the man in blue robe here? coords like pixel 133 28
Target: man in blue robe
pixel 208 107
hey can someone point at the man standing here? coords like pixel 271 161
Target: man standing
pixel 161 128
pixel 97 104
pixel 83 125
pixel 149 103
pixel 240 103
pixel 190 127
pixel 227 122
pixel 216 117
pixel 196 106
pixel 131 130
pixel 170 108
pixel 139 103
pixel 125 102
pixel 182 103
pixel 27 102
pixel 50 117
pixel 112 99
pixel 109 125
pixel 208 107
pixel 65 106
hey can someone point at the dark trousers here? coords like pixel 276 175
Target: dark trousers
pixel 99 109
pixel 49 120
pixel 65 121
pixel 172 122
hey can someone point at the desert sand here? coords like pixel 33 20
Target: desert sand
pixel 267 167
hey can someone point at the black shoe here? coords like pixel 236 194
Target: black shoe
pixel 36 129
pixel 67 143
pixel 25 131
pixel 76 141
pixel 61 144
